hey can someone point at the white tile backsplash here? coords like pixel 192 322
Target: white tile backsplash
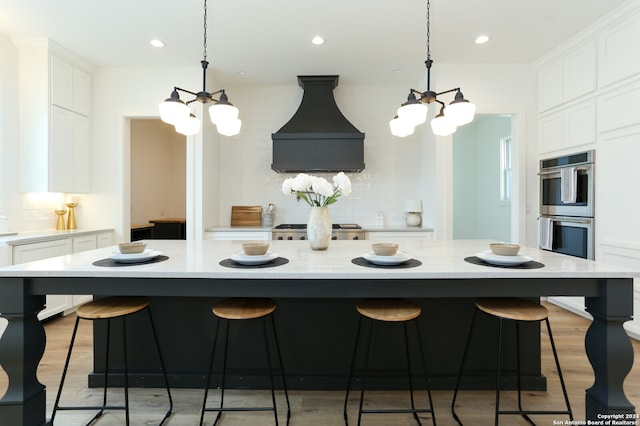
pixel 393 165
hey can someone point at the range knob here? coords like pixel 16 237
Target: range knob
pixel 302 237
pixel 280 237
pixel 289 237
pixel 355 237
pixel 333 237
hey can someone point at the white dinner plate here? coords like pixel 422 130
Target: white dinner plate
pixel 148 254
pixel 495 259
pixel 244 259
pixel 396 259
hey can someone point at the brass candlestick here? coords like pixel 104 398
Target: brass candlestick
pixel 60 224
pixel 71 219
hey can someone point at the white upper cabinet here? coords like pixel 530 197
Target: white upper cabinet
pixel 568 78
pixel 70 86
pixel 54 112
pixel 618 50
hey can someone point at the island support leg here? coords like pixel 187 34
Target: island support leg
pixel 21 349
pixel 609 349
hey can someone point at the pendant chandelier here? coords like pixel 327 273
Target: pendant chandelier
pixel 222 113
pixel 414 112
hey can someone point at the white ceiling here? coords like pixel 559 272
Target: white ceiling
pixel 366 40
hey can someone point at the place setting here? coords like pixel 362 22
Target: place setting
pixel 254 255
pixel 129 254
pixel 504 255
pixel 386 255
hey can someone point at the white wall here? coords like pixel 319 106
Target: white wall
pixel 478 211
pixel 495 88
pixel 393 165
pixel 158 171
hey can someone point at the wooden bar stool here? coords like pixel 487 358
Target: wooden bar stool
pixel 108 309
pixel 518 310
pixel 388 310
pixel 239 309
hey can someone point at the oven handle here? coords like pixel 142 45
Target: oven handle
pixel 569 219
pixel 557 170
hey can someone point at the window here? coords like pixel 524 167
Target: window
pixel 505 169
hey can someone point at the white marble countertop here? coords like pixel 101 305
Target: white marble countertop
pixel 39 236
pixel 200 259
pixel 366 228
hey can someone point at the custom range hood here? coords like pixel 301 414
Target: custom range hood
pixel 318 138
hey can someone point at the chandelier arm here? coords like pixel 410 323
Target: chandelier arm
pixel 457 89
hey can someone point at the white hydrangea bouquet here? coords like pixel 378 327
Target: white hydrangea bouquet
pixel 317 191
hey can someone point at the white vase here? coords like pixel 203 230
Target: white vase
pixel 319 228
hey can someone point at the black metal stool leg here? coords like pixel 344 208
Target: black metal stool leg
pixel 267 351
pixel 555 356
pixel 365 370
pixel 409 371
pixel 462 363
pixel 524 414
pixel 284 380
pixel 126 370
pixel 353 362
pixel 224 371
pixel 64 370
pixel 498 370
pixel 424 369
pixel 206 389
pixel 164 370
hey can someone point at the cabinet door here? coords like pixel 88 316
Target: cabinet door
pixel 84 243
pixel 238 235
pixel 105 239
pixel 400 235
pixel 69 155
pixel 70 86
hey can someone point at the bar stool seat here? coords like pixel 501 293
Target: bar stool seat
pixel 391 311
pixel 243 309
pixel 108 309
pixel 517 310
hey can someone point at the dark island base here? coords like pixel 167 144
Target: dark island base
pixel 316 338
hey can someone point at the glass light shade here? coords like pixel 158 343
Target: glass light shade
pixel 460 112
pixel 443 125
pixel 229 127
pixel 413 113
pixel 173 110
pixel 222 112
pixel 188 125
pixel 400 127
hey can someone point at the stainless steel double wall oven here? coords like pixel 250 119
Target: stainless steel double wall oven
pixel 566 221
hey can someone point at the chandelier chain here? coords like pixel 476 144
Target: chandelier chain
pixel 204 43
pixel 428 29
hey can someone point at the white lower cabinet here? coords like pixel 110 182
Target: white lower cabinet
pixel 394 236
pixel 256 235
pixel 56 303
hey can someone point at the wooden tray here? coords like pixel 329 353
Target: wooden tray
pixel 246 215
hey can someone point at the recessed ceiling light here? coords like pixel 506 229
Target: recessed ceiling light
pixel 482 39
pixel 241 73
pixel 397 71
pixel 157 43
pixel 317 40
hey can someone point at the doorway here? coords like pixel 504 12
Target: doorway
pixel 482 178
pixel 158 173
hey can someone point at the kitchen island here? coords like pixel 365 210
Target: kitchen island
pixel 193 271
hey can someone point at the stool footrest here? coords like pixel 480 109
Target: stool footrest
pixel 516 412
pixel 398 410
pixel 240 409
pixel 87 408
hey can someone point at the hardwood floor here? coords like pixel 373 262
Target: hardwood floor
pixel 321 408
